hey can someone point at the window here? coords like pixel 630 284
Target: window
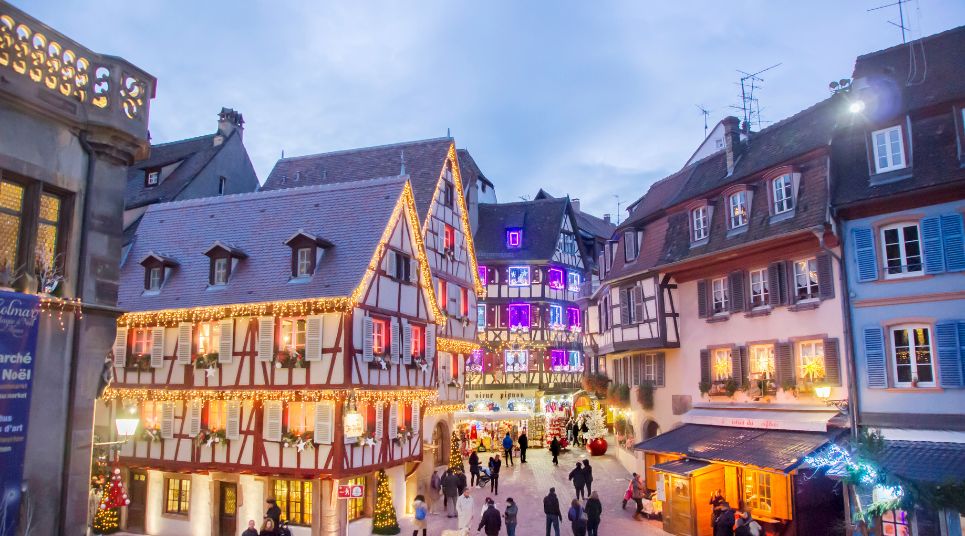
pixel 558 360
pixel 811 357
pixel 762 361
pixel 450 238
pixel 418 340
pixel 517 360
pixel 895 523
pixel 209 336
pixel 47 225
pixel 293 335
pixel 911 348
pixel 154 278
pixel 304 262
pixel 902 250
pixel 402 269
pixel 723 365
pixel 483 273
pixel 356 506
pixel 217 415
pixel 294 497
pixel 481 316
pixel 757 490
pixel 574 281
pixel 222 185
pixel 443 294
pixel 567 243
pixel 806 279
pixel 649 370
pixel 151 414
pixel 141 341
pixel 889 149
pixel 737 207
pixel 11 216
pixel 782 188
pixel 447 193
pixel 220 271
pixel 380 336
pixel 630 246
pixel 556 317
pixel 626 296
pixel 518 276
pixel 152 178
pixel 178 491
pixel 475 361
pixel 556 278
pixel 464 302
pixel 519 317
pixel 301 417
pixel 573 318
pixel 699 221
pixel 514 238
pixel 719 296
pixel 760 296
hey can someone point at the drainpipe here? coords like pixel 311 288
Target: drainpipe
pixel 849 340
pixel 75 339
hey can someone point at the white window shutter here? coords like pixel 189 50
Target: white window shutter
pixel 413 270
pixel 272 430
pixel 430 342
pixel 379 421
pixel 394 420
pixel 157 347
pixel 266 337
pixel 313 338
pixel 406 342
pixel 233 419
pixel 367 339
pixel 324 422
pixel 416 418
pixel 444 374
pixel 184 343
pixel 167 420
pixel 226 340
pixel 395 345
pixel 194 417
pixel 120 347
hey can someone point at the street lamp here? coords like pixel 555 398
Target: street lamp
pixel 823 392
pixel 126 427
pixel 856 107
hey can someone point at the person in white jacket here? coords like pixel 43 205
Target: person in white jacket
pixel 465 508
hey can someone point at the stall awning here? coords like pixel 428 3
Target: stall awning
pixel 781 450
pixel 680 467
pixel 924 461
pixel 492 416
pixel 778 418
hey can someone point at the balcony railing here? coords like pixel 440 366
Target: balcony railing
pixel 47 69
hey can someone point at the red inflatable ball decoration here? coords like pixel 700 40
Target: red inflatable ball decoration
pixel 597 447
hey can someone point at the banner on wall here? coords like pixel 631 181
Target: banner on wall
pixel 19 314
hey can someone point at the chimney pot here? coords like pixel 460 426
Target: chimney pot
pixel 576 204
pixel 229 121
pixel 606 218
pixel 732 141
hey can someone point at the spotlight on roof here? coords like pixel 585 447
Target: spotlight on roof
pixel 856 107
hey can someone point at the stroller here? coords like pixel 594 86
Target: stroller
pixel 485 475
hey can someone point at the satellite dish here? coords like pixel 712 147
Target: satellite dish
pixel 833 85
pixel 844 82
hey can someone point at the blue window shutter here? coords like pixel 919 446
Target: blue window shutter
pixel 961 346
pixel 864 254
pixel 931 233
pixel 949 354
pixel 874 351
pixel 953 240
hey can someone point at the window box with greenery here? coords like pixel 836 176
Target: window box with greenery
pixel 139 362
pixel 301 441
pixel 206 361
pixel 209 438
pixel 618 395
pixel 150 434
pixel 596 384
pixel 405 433
pixel 289 358
pixel 645 392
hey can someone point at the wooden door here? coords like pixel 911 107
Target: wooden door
pixel 138 496
pixel 228 509
pixel 681 520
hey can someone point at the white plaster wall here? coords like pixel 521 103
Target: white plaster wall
pixel 201 509
pixel 251 494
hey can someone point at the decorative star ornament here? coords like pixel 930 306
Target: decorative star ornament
pixel 209 372
pixel 369 441
pixel 383 365
pixel 424 367
pixel 300 445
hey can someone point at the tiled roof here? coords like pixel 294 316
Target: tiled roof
pixel 193 153
pixel 683 467
pixel 424 160
pixel 924 461
pixel 352 216
pixel 775 449
pixel 589 223
pixel 663 192
pixel 470 169
pixel 540 221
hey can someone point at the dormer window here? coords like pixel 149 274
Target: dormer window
pixel 699 223
pixel 514 238
pixel 154 278
pixel 156 269
pixel 448 195
pixel 307 250
pixel 782 189
pixel 303 262
pixel 889 149
pixel 152 177
pixel 223 258
pixel 221 270
pixel 737 209
pixel 631 247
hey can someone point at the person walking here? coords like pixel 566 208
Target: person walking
pixel 594 510
pixel 461 483
pixel 639 492
pixel 523 445
pixel 555 450
pixel 588 476
pixel 473 468
pixel 491 521
pixel 273 513
pixel 724 526
pixel 508 448
pixel 450 490
pixel 577 518
pixel 716 504
pixel 435 484
pixel 551 507
pixel 509 514
pixel 578 477
pixel 494 481
pixel 583 431
pixel 466 508
pixel 421 517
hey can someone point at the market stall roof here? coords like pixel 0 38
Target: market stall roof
pixel 924 461
pixel 491 416
pixel 682 467
pixel 774 449
pixel 778 416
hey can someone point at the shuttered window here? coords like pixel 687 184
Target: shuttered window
pixel 811 361
pixel 760 294
pixel 806 285
pixel 901 250
pixel 912 355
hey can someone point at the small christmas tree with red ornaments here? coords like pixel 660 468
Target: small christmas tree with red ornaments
pixel 107 520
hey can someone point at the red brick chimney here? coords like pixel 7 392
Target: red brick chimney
pixel 732 141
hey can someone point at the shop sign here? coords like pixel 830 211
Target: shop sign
pixel 351 491
pixel 354 425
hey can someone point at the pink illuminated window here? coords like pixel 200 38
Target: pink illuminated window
pixel 519 317
pixel 556 276
pixel 514 238
pixel 573 318
pixel 558 360
pixel 483 272
pixel 475 361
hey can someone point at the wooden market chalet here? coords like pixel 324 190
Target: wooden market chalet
pixel 281 342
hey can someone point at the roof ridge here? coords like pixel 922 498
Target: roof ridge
pixel 544 200
pixel 185 140
pixel 281 192
pixel 914 41
pixel 789 119
pixel 369 148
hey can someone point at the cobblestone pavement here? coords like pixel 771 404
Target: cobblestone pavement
pixel 528 483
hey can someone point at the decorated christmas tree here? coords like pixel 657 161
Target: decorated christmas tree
pixel 555 428
pixel 107 519
pixel 384 520
pixel 596 425
pixel 455 458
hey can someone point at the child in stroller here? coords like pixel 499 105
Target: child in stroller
pixel 485 475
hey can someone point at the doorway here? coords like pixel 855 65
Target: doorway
pixel 441 439
pixel 228 509
pixel 681 521
pixel 138 495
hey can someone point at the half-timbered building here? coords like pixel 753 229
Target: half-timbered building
pixel 280 343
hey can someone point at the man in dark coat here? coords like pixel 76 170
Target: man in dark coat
pixel 578 477
pixel 473 468
pixel 555 450
pixel 491 521
pixel 523 445
pixel 588 476
pixel 273 512
pixel 461 476
pixel 724 525
pixel 494 481
pixel 450 490
pixel 551 507
pixel 584 429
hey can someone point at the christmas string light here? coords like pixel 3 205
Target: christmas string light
pixel 456 346
pixel 423 396
pixel 49 304
pixel 445 409
pixel 384 520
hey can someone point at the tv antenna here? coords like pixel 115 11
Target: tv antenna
pixel 618 208
pixel 901 16
pixel 706 114
pixel 750 105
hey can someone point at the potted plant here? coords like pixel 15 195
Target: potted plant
pixel 289 358
pixel 645 392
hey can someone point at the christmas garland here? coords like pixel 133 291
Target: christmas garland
pixel 208 438
pixel 299 441
pixel 206 361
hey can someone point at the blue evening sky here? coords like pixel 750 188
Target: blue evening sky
pixel 590 99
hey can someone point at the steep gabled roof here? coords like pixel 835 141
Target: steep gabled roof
pixel 424 161
pixel 540 220
pixel 351 215
pixel 588 223
pixel 470 170
pixel 193 153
